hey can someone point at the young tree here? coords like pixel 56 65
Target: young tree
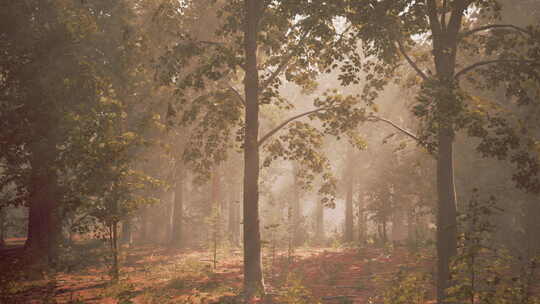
pixel 251 37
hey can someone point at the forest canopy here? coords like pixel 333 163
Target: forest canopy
pixel 247 151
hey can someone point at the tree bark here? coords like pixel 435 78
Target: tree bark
pixel 361 219
pixel 115 267
pixel 234 219
pixel 349 213
pixel 253 276
pixel 126 232
pixel 216 212
pixel 319 223
pixel 178 208
pixel 446 212
pixel 399 229
pixel 445 44
pixel 145 225
pixel 42 244
pixel 2 227
pixel 532 229
pixel 296 213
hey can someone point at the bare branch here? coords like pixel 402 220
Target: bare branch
pixel 237 94
pixel 343 33
pixel 209 42
pixel 284 123
pixel 495 26
pixel 488 62
pixel 411 62
pixel 401 129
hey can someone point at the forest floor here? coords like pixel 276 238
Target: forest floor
pixel 151 274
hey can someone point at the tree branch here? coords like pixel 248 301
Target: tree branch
pixel 284 123
pixel 495 26
pixel 443 15
pixel 411 62
pixel 281 66
pixel 209 42
pixel 454 24
pixel 433 20
pixel 401 129
pixel 237 94
pixel 488 62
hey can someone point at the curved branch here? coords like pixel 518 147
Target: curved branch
pixel 401 129
pixel 495 26
pixel 411 62
pixel 488 62
pixel 284 123
pixel 237 94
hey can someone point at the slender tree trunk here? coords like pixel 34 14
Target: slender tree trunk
pixel 2 227
pixel 349 222
pixel 115 271
pixel 385 231
pixel 126 232
pixel 411 227
pixel 234 219
pixel 42 244
pixel 216 213
pixel 145 225
pixel 178 208
pixel 296 212
pixel 399 230
pixel 361 220
pixel 349 216
pixel 319 223
pixel 253 276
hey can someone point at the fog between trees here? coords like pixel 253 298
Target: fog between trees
pixel 268 130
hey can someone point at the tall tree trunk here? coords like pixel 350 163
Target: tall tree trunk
pixel 126 232
pixel 319 223
pixel 361 219
pixel 296 213
pixel 2 227
pixel 253 276
pixel 145 225
pixel 42 244
pixel 446 212
pixel 216 212
pixel 532 229
pixel 234 219
pixel 115 267
pixel 349 221
pixel 349 212
pixel 399 230
pixel 445 44
pixel 178 208
pixel 411 227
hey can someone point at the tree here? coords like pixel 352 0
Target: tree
pixel 57 78
pixel 349 179
pixel 178 209
pixel 253 278
pixel 388 30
